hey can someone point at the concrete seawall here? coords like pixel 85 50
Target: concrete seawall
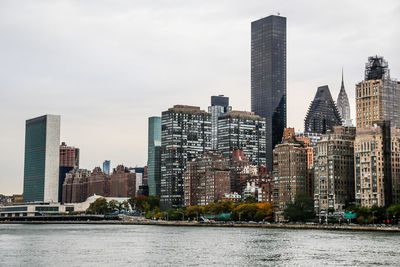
pixel 194 224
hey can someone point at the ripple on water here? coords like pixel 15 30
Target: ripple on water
pixel 104 245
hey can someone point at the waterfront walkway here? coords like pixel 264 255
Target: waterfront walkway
pixel 217 224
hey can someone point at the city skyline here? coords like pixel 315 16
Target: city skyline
pixel 97 102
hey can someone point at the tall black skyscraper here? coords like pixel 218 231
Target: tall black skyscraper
pixel 268 77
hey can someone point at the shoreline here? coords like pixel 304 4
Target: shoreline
pixel 245 225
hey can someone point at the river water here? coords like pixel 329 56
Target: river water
pixel 136 245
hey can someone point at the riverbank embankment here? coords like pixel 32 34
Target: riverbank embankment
pixel 226 224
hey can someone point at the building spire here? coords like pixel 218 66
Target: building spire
pixel 344 105
pixel 342 87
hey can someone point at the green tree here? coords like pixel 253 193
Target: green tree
pixel 250 200
pixel 149 215
pixel 379 213
pixel 302 209
pixel 245 212
pixel 394 212
pixel 265 212
pixel 364 212
pixel 99 206
pixel 113 205
pixel 173 215
pixel 226 206
pixel 154 202
pixel 132 202
pixel 140 202
pixel 211 208
pixel 194 212
pixel 125 205
pixel 361 219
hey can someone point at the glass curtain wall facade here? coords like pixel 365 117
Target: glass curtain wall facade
pixel 185 135
pixel 42 158
pixel 268 78
pixel 154 156
pixel 322 115
pixel 240 130
pixel 219 106
pixel 106 166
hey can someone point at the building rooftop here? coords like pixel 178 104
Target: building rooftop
pixel 187 109
pixel 242 115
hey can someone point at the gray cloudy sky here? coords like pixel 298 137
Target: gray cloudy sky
pixel 106 66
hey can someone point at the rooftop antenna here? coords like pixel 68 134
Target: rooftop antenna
pixel 279 13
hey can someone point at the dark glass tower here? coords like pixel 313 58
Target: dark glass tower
pixel 42 159
pixel 268 77
pixel 154 156
pixel 322 114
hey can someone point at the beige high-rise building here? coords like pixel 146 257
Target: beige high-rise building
pixel 377 96
pixel 377 138
pixel 334 170
pixel 377 167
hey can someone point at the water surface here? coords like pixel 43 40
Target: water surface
pixel 137 245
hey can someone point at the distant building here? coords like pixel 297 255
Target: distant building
pixel 377 96
pixel 219 106
pixel 322 114
pixel 268 78
pixel 42 156
pixel 206 179
pixel 241 169
pixel 5 200
pixel 50 208
pixel 290 171
pixel 235 197
pixel 266 193
pixel 75 186
pixel 241 130
pixel 139 174
pixel 69 160
pixel 343 106
pixel 313 137
pixel 154 156
pixel 143 191
pixel 185 135
pixel 98 183
pixel 107 167
pixel 34 209
pixel 16 198
pixel 123 182
pixel 334 170
pixel 146 176
pixel 377 168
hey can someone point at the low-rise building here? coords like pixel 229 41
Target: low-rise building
pixel 235 197
pixel 206 179
pixel 50 208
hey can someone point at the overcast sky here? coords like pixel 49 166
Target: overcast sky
pixel 106 66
